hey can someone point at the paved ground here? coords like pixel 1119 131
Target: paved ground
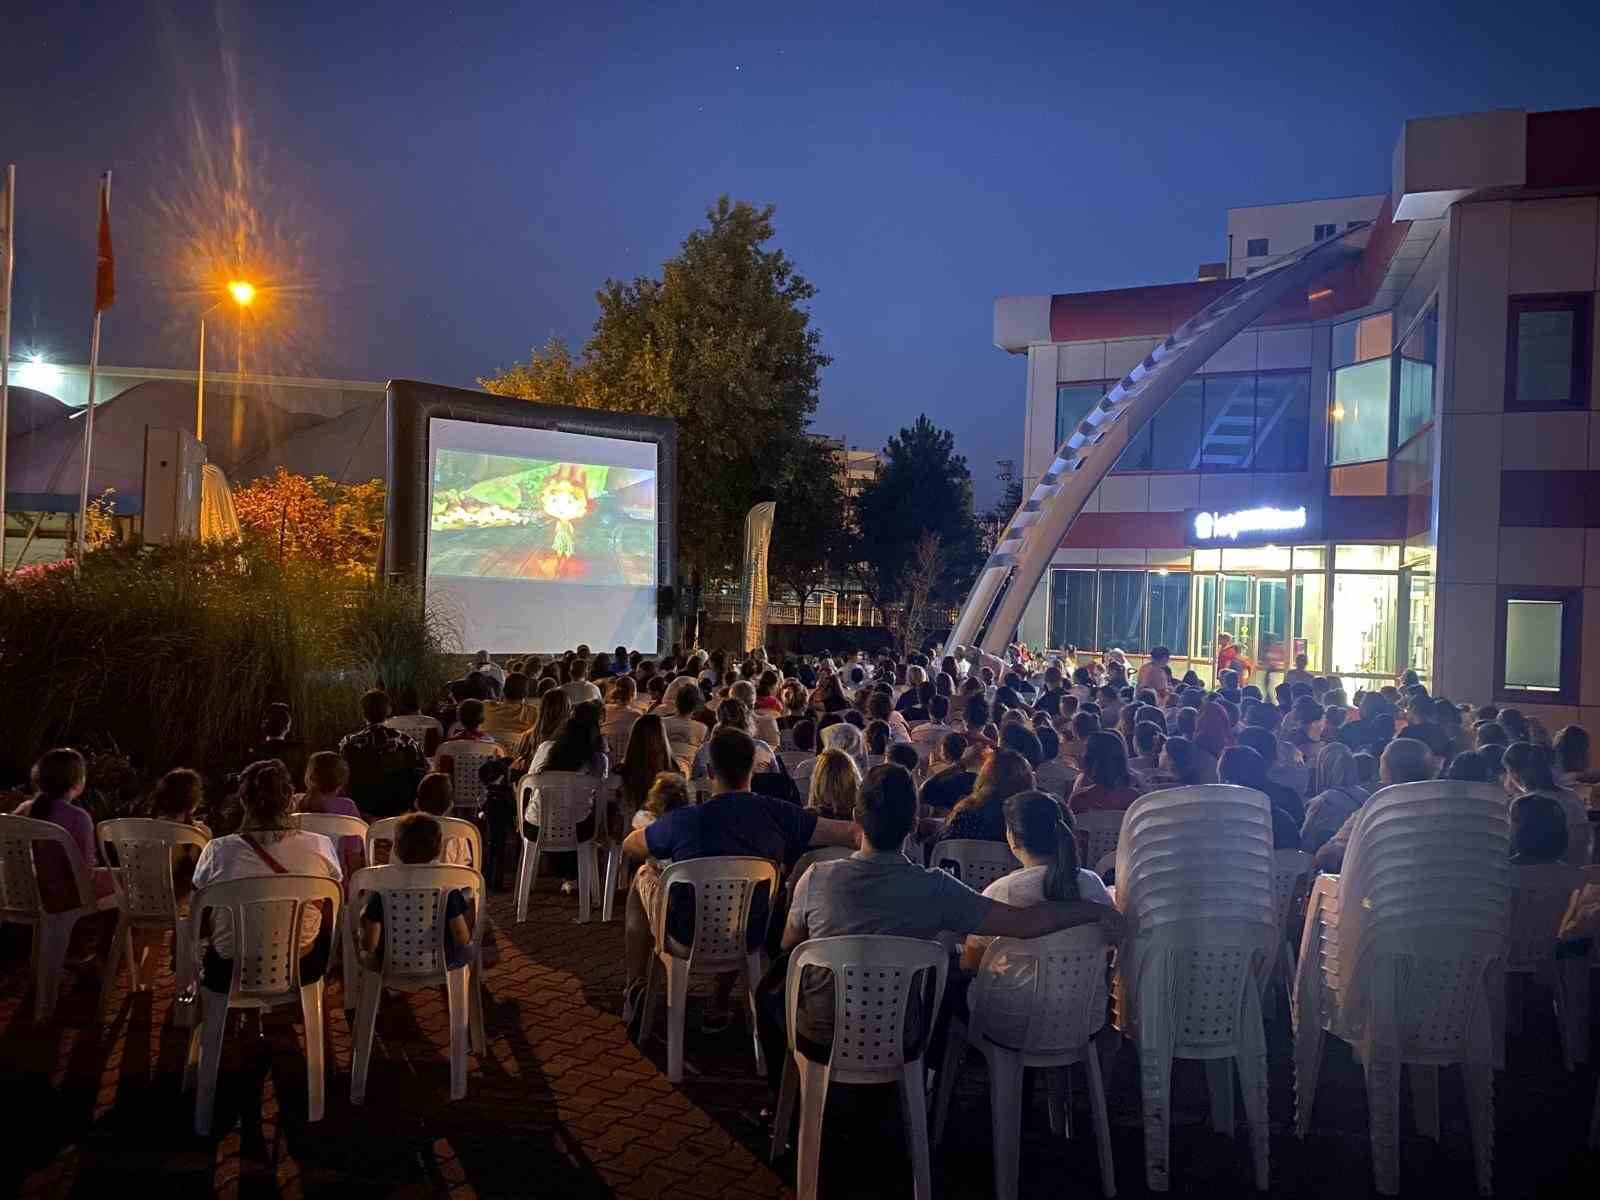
pixel 562 1105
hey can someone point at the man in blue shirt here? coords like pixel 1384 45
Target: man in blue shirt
pixel 734 821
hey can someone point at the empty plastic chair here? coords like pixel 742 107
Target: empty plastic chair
pixel 1034 1004
pixel 265 916
pixel 1402 957
pixel 977 863
pixel 725 890
pixel 22 903
pixel 416 952
pixel 873 982
pixel 147 900
pixel 562 799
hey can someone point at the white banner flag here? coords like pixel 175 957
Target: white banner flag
pixel 757 536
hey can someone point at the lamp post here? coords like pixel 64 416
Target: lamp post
pixel 242 293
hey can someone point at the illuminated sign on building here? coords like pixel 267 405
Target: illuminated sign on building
pixel 1248 525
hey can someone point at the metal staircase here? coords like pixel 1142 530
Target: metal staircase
pixel 1231 440
pixel 1009 576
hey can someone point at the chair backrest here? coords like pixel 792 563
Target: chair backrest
pixel 415 933
pixel 415 726
pixel 461 842
pixel 724 890
pixel 873 978
pixel 465 760
pixel 20 899
pixel 1042 995
pixel 266 916
pixel 1297 778
pixel 975 862
pixel 1539 899
pixel 821 854
pixel 1290 869
pixel 1196 852
pixel 332 825
pixel 1096 833
pixel 142 850
pixel 565 798
pixel 793 758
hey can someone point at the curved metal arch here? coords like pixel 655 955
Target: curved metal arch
pixel 1021 557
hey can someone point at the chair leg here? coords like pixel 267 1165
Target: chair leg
pixel 1572 1009
pixel 456 984
pixel 955 1049
pixel 813 1100
pixel 213 1026
pixel 316 1050
pixel 1155 1083
pixel 1219 1083
pixel 752 976
pixel 1005 1118
pixel 608 902
pixel 121 947
pixel 585 881
pixel 914 1106
pixel 54 935
pixel 366 1028
pixel 1383 1109
pixel 351 967
pixel 1102 1123
pixel 477 1009
pixel 647 1017
pixel 1425 1099
pixel 783 1113
pixel 1594 1123
pixel 1307 1067
pixel 527 876
pixel 1479 1079
pixel 185 998
pixel 677 998
pixel 1058 1085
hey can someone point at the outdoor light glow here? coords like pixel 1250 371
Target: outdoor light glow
pixel 1319 294
pixel 1337 412
pixel 37 374
pixel 242 292
pixel 1210 526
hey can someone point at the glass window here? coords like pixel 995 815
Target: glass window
pixel 1363 633
pixel 1533 645
pixel 1324 231
pixel 1071 609
pixel 1073 402
pixel 1169 611
pixel 1177 429
pixel 1549 353
pixel 1363 340
pixel 1256 247
pixel 1206 560
pixel 1256 558
pixel 1205 616
pixel 1135 455
pixel 1230 422
pixel 1121 619
pixel 1419 623
pixel 1310 595
pixel 1310 558
pixel 1366 558
pixel 1283 421
pixel 1359 414
pixel 1418 354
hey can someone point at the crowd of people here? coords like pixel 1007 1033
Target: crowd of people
pixel 719 754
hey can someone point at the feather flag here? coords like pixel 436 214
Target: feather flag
pixel 105 273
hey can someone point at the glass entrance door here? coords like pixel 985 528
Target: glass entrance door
pixel 1252 609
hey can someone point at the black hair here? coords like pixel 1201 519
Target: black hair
pixel 886 806
pixel 1538 828
pixel 1041 826
pixel 733 755
pixel 1024 741
pixel 55 775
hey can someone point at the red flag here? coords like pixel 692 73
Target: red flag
pixel 105 274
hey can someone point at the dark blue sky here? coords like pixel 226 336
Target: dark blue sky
pixel 446 185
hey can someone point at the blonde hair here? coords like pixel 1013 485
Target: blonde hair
pixel 835 782
pixel 669 791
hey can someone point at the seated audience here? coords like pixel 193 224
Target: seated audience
pixel 1106 784
pixel 384 763
pixel 1538 830
pixel 507 719
pixel 981 815
pixel 418 839
pixel 59 778
pixel 1245 767
pixel 834 781
pixel 952 775
pixel 1404 760
pixel 1336 793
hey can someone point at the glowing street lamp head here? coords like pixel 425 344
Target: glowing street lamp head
pixel 242 291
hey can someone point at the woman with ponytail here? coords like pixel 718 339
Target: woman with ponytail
pixel 58 780
pixel 1040 833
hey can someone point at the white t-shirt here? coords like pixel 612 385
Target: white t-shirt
pixel 230 857
pixel 580 691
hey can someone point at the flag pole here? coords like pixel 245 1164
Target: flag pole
pixel 102 300
pixel 8 236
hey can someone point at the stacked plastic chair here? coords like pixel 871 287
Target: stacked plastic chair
pixel 1403 958
pixel 1539 899
pixel 143 851
pixel 1034 1004
pixel 977 863
pixel 1194 879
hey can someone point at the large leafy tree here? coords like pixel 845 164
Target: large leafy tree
pixel 922 486
pixel 811 530
pixel 314 519
pixel 722 343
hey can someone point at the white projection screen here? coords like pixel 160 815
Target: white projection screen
pixel 538 539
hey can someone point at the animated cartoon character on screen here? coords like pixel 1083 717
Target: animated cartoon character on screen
pixel 565 498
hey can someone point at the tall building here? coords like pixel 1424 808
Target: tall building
pixel 1397 468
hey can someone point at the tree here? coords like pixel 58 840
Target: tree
pixel 993 523
pixel 723 344
pixel 922 485
pixel 811 529
pixel 315 519
pixel 917 582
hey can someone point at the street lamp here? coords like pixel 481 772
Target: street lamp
pixel 242 293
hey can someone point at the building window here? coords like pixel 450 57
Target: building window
pixel 1415 360
pixel 1230 423
pixel 1283 421
pixel 1072 602
pixel 1121 620
pixel 1227 422
pixel 1547 353
pixel 1073 402
pixel 1363 640
pixel 1323 232
pixel 1538 632
pixel 1169 611
pixel 1256 248
pixel 1358 417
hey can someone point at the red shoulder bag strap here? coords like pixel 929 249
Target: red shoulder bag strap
pixel 261 852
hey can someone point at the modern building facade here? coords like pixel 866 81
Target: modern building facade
pixel 1400 469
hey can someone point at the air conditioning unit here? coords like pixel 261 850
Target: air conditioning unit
pixel 174 461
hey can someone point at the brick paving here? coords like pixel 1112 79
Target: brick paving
pixel 561 1104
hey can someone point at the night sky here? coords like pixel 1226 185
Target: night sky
pixel 439 187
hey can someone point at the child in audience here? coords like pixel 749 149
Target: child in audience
pixel 176 798
pixel 418 839
pixel 326 775
pixel 59 778
pixel 669 792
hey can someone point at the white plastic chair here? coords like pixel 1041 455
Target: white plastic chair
pixel 792 759
pixel 334 826
pixel 1096 833
pixel 873 979
pixel 415 937
pixel 20 901
pixel 465 760
pixel 461 841
pixel 1539 899
pixel 265 916
pixel 416 727
pixel 1402 957
pixel 724 890
pixel 147 900
pixel 565 799
pixel 975 862
pixel 1194 879
pixel 1291 873
pixel 1034 1003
